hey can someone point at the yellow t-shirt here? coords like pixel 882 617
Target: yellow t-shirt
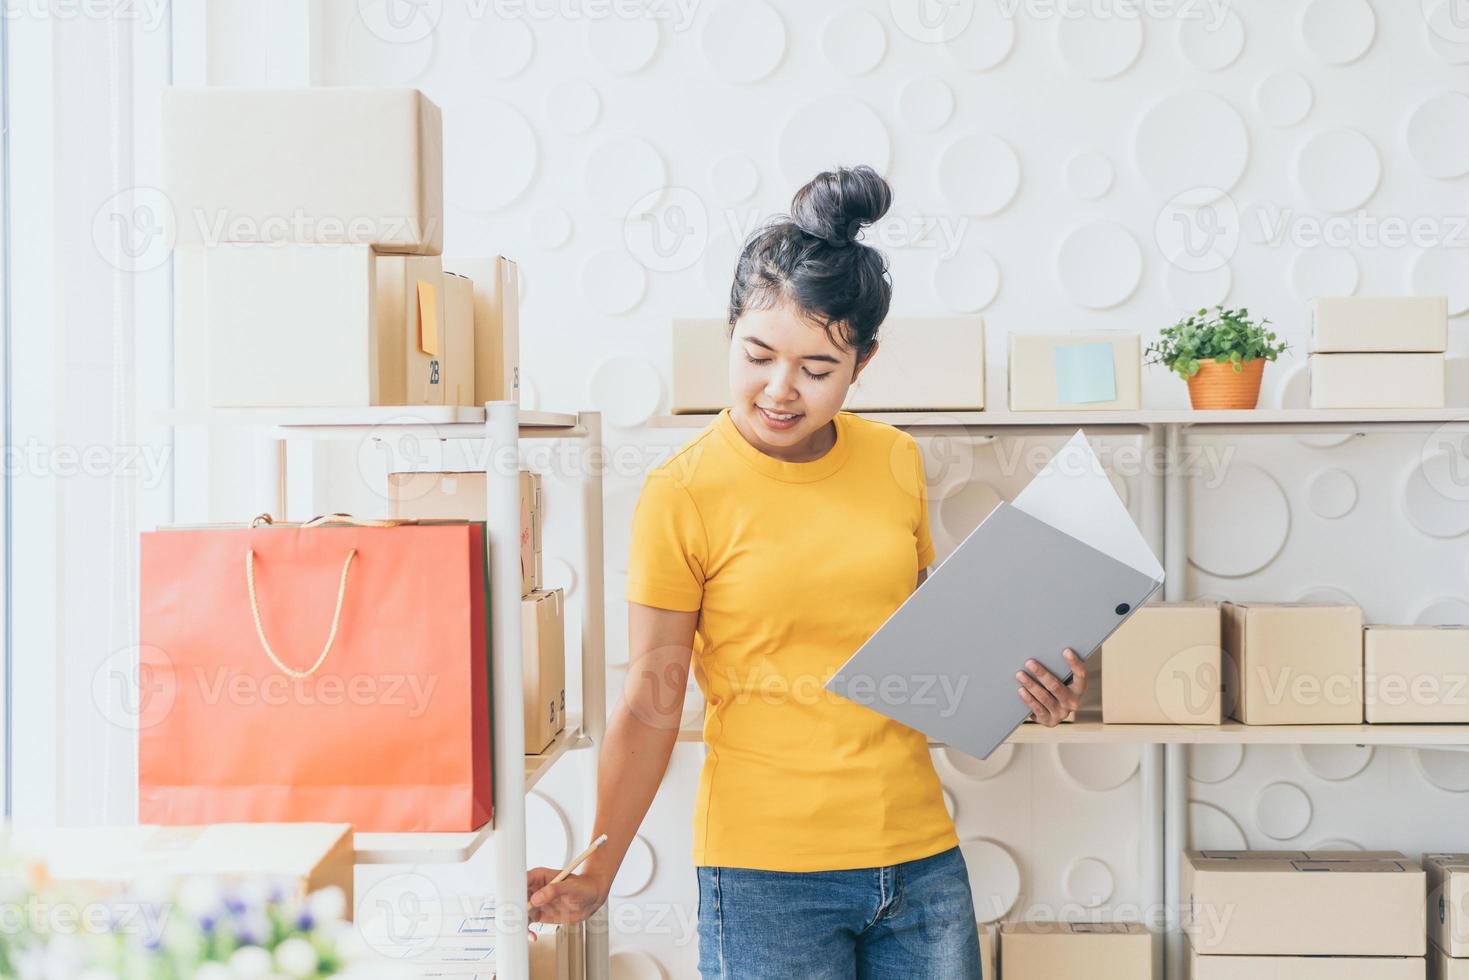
pixel 792 567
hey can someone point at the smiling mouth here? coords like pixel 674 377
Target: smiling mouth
pixel 778 416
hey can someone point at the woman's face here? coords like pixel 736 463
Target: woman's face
pixel 787 379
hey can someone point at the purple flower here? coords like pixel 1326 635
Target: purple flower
pixel 305 921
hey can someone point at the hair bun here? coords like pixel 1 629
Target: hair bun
pixel 837 205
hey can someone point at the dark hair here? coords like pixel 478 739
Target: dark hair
pixel 812 257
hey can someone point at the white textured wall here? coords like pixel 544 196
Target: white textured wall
pixel 1047 168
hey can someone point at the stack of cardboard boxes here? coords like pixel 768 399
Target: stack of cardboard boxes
pixel 1448 915
pixel 1075 951
pixel 310 229
pixel 1378 352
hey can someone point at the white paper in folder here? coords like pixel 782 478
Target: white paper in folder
pixel 1063 566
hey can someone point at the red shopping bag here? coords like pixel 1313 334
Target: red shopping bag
pixel 321 672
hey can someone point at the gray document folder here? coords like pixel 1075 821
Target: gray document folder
pixel 1063 566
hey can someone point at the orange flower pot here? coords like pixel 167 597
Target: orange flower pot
pixel 1220 386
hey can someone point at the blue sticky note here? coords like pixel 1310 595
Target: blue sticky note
pixel 1085 373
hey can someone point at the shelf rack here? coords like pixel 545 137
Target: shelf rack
pixel 502 427
pixel 1164 523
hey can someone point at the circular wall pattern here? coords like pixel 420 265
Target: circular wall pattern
pixel 1335 763
pixel 558 573
pixel 1198 230
pixel 1336 844
pixel 612 282
pixel 503 45
pixel 1442 272
pixel 1284 98
pixel 1214 763
pixel 969 767
pixel 1282 811
pixel 498 161
pixel 627 390
pixel 967 281
pixel 1099 264
pixel 573 106
pixel 1326 593
pixel 925 104
pixel 1209 43
pixel 1098 47
pixel 1425 506
pixel 1435 135
pixel 1088 174
pixel 1099 767
pixel 637 869
pixel 832 130
pixel 1190 140
pixel 379 52
pixel 622 170
pixel 1338 31
pixel 1089 882
pixel 987 41
pixel 1323 271
pixel 994 878
pixel 854 41
pixel 1192 290
pixel 622 45
pixel 634 964
pixel 1448 771
pixel 1337 169
pixel 1332 494
pixel 743 41
pixel 962 511
pixel 547 834
pixel 1294 391
pixel 735 178
pixel 978 174
pixel 1210 828
pixel 550 227
pixel 1443 611
pixel 1246 497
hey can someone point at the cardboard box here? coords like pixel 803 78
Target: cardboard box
pixel 406 285
pixel 1447 877
pixel 1378 380
pixel 1442 966
pixel 458 361
pixel 1162 666
pixel 1364 324
pixel 1075 372
pixel 1076 951
pixel 1293 663
pixel 356 166
pixel 190 329
pixel 557 952
pixel 543 631
pixel 989 950
pixel 107 860
pixel 462 496
pixel 1416 674
pixel 1319 903
pixel 496 326
pixel 291 325
pixel 923 363
pixel 1305 967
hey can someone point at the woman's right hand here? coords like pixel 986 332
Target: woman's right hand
pixel 570 900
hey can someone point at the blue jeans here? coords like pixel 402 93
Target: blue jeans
pixel 914 919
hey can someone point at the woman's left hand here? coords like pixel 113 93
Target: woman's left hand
pixel 1049 699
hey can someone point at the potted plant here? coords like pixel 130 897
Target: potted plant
pixel 1221 354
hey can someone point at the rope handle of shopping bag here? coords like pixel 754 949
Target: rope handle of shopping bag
pixel 331 637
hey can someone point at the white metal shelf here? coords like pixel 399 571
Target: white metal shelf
pixel 352 417
pixel 1256 417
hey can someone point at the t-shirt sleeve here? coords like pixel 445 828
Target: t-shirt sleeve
pixel 922 533
pixel 669 550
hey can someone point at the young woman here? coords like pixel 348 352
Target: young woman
pixel 765 552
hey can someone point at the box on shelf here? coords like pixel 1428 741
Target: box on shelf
pixel 1075 372
pixel 1076 951
pixel 458 363
pixel 1416 674
pixel 411 323
pixel 1293 663
pixel 304 856
pixel 1448 901
pixel 462 496
pixel 1442 966
pixel 292 325
pixel 989 949
pixel 558 952
pixel 496 326
pixel 1163 667
pixel 1305 967
pixel 923 363
pixel 1366 324
pixel 332 165
pixel 543 627
pixel 1317 903
pixel 1378 380
pixel 191 330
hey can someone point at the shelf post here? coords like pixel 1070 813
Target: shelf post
pixel 1175 779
